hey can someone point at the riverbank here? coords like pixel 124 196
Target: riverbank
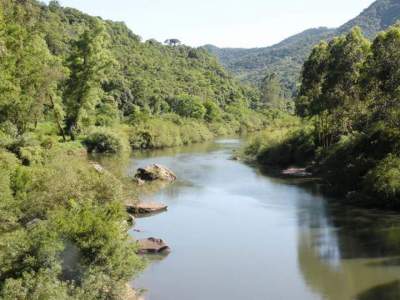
pixel 357 168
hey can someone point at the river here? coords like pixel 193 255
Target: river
pixel 237 234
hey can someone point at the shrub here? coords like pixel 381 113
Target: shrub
pixel 213 111
pixel 383 181
pixel 165 132
pixel 283 143
pixel 155 133
pixel 104 141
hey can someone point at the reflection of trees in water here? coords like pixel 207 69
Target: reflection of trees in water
pixel 346 253
pixel 389 291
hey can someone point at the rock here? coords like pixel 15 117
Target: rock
pixel 146 208
pixel 130 220
pixel 296 172
pixel 152 246
pixel 99 168
pixel 155 172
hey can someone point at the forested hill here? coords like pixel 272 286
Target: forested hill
pixel 377 17
pixel 287 57
pixel 100 69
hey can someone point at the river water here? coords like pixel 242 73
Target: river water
pixel 237 234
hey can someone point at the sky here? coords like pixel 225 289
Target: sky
pixel 224 23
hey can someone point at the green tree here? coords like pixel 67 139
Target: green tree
pixel 271 92
pixel 382 77
pixel 89 63
pixel 312 78
pixel 347 55
pixel 213 111
pixel 188 106
pixel 29 73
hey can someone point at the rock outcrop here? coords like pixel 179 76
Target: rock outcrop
pixel 146 208
pixel 152 246
pixel 155 172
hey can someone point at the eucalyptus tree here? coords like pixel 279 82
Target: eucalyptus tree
pixel 89 64
pixel 382 77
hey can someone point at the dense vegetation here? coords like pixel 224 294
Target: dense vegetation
pixel 347 129
pixel 71 84
pixel 286 58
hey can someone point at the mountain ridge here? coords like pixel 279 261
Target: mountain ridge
pixel 286 57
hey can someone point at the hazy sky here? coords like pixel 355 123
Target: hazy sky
pixel 225 23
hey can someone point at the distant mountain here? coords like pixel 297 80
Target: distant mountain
pixel 287 57
pixel 377 17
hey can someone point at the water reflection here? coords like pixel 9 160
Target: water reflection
pixel 349 253
pixel 236 233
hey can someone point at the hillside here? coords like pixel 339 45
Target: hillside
pixel 377 17
pixel 287 57
pixel 146 70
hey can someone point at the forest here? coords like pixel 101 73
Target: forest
pixel 346 129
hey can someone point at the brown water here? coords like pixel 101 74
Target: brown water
pixel 237 234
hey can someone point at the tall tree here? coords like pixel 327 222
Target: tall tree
pixel 312 79
pixel 272 95
pixel 89 64
pixel 347 55
pixel 382 77
pixel 29 73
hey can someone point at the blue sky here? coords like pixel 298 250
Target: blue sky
pixel 225 23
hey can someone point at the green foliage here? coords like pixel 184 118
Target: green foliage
pixel 350 97
pixel 213 111
pixel 103 140
pixel 168 132
pixel 62 220
pixel 29 72
pixel 88 63
pixel 271 93
pixel 94 232
pixel 188 107
pixel 283 143
pixel 383 180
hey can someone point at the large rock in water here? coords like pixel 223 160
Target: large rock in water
pixel 155 172
pixel 146 208
pixel 152 246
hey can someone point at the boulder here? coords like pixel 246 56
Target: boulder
pixel 152 246
pixel 296 172
pixel 146 208
pixel 155 172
